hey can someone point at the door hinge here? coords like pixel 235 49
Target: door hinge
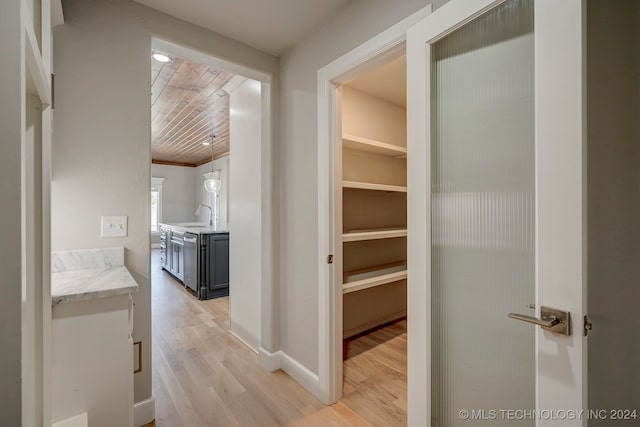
pixel 587 325
pixel 53 91
pixel 330 259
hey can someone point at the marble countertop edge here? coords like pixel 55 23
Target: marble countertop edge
pixel 88 284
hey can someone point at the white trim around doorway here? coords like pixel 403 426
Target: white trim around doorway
pixel 382 48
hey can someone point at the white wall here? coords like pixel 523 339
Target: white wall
pixel 613 93
pixel 178 192
pixel 206 198
pixel 102 131
pixel 356 23
pixel 10 213
pixel 245 265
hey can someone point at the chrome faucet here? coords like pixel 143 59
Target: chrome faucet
pixel 197 212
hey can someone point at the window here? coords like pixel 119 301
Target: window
pixel 156 204
pixel 155 210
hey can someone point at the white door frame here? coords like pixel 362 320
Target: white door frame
pixel 269 311
pixel 560 198
pixel 36 135
pixel 382 48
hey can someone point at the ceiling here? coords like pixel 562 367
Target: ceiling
pixel 188 106
pixel 272 26
pixel 388 82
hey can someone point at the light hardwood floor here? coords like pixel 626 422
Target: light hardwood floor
pixel 375 375
pixel 203 376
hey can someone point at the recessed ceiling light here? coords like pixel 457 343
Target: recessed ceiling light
pixel 206 143
pixel 160 57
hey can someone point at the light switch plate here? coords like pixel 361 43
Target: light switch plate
pixel 113 226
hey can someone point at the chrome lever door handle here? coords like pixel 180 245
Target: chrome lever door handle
pixel 551 319
pixel 547 323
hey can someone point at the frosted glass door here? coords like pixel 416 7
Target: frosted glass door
pixel 483 218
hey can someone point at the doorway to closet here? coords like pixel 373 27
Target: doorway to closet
pixel 373 256
pixel 364 291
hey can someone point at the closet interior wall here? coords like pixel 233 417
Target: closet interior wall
pixel 374 211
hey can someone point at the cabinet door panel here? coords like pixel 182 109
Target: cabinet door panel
pixel 219 259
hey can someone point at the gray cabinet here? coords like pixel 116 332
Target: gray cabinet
pixel 177 259
pixel 165 238
pixel 191 261
pixel 200 260
pixel 172 252
pixel 214 266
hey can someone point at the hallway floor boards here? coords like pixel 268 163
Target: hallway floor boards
pixel 203 376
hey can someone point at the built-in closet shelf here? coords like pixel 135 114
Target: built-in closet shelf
pixel 372 186
pixel 373 234
pixel 372 277
pixel 373 146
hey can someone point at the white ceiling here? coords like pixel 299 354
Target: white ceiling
pixel 388 82
pixel 272 26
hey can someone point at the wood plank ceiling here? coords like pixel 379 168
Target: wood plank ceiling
pixel 188 106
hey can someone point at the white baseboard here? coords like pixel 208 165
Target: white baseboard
pixel 243 341
pixel 305 377
pixel 281 360
pixel 81 420
pixel 144 412
pixel 269 361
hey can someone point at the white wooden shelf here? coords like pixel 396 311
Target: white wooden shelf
pixel 373 146
pixel 372 186
pixel 373 234
pixel 376 276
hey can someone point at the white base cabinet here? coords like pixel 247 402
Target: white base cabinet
pixel 93 361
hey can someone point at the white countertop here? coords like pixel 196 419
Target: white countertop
pixel 91 283
pixel 197 228
pixel 89 274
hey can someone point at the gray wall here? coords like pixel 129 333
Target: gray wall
pixel 10 213
pixel 101 158
pixel 178 192
pixel 356 23
pixel 613 96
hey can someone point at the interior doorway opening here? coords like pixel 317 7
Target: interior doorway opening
pixel 363 223
pixel 373 214
pixel 211 195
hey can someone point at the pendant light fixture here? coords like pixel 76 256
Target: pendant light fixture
pixel 212 182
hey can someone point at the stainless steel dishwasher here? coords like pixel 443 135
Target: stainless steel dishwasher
pixel 191 261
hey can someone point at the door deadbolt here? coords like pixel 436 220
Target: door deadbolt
pixel 587 325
